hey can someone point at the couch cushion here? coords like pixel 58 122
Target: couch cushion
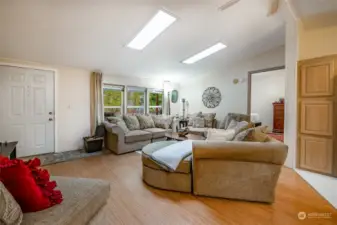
pixel 209 119
pixel 192 116
pixel 156 132
pixel 198 122
pixel 131 122
pixel 10 211
pixel 145 121
pixel 163 121
pixel 137 135
pixel 82 198
pixel 148 150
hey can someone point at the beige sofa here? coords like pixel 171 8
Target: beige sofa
pixel 82 199
pixel 219 125
pixel 235 170
pixel 119 142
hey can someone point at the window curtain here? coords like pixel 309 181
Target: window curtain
pixel 96 105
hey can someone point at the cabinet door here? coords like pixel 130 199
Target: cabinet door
pixel 317 79
pixel 316 154
pixel 317 117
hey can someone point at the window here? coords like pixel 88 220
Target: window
pixel 113 99
pixel 156 102
pixel 135 100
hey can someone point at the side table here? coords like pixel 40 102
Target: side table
pixel 8 149
pixel 183 123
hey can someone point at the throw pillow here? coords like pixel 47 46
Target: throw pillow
pixel 224 123
pixel 192 116
pixel 220 135
pixel 123 126
pixel 198 122
pixel 246 135
pixel 209 119
pixel 262 129
pixel 145 122
pixel 10 211
pixel 233 116
pixel 131 122
pixel 238 126
pixel 259 135
pixel 162 121
pixel 28 184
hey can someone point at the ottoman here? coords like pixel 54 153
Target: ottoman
pixel 155 176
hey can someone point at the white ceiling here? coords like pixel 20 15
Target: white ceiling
pixel 91 34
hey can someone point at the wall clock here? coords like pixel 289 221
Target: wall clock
pixel 211 97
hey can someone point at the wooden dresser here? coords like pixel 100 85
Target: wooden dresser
pixel 278 119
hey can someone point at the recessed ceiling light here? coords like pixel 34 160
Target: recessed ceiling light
pixel 211 50
pixel 152 29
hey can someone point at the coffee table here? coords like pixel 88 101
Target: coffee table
pixel 175 136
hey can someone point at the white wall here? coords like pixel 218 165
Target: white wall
pixel 72 116
pixel 234 96
pixel 145 82
pixel 267 87
pixel 290 119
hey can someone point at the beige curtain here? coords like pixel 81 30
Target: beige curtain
pixel 96 97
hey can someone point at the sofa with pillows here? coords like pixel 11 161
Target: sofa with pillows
pixel 129 133
pixel 200 123
pixel 29 196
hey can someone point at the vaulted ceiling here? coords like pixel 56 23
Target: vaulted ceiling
pixel 92 34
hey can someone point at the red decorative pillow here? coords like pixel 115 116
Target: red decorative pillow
pixel 29 185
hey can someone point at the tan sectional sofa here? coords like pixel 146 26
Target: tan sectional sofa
pixel 235 170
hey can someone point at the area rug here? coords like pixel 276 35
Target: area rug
pixel 52 158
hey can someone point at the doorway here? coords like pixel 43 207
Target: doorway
pixel 266 91
pixel 27 109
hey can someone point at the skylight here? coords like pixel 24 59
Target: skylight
pixel 160 22
pixel 207 52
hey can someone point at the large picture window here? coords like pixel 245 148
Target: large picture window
pixel 113 99
pixel 136 100
pixel 156 102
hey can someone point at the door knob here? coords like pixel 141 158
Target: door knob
pixel 50 119
pixel 50 113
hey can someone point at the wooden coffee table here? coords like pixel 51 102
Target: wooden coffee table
pixel 175 136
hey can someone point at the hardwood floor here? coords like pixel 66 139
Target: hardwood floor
pixel 132 202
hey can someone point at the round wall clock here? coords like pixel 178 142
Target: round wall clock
pixel 211 97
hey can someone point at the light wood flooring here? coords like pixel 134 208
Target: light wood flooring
pixel 132 202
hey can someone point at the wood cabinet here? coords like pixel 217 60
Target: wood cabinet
pixel 317 127
pixel 278 117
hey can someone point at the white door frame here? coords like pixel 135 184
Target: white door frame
pixel 55 91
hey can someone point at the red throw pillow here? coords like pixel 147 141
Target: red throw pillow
pixel 29 185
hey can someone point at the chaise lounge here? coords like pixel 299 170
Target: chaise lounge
pixel 234 170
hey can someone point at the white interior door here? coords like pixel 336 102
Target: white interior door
pixel 27 109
